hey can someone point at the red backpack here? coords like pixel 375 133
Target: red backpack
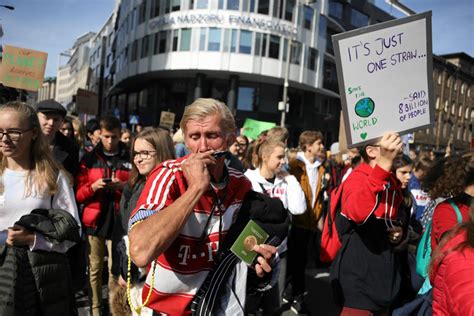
pixel 330 242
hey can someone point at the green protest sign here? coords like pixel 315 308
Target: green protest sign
pixel 22 68
pixel 253 128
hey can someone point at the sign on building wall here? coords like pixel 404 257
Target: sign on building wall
pixel 385 75
pixel 167 119
pixel 87 102
pixel 22 68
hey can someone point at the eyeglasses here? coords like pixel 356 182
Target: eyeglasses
pixel 14 135
pixel 145 154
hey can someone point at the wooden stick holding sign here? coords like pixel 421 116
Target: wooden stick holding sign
pixel 385 75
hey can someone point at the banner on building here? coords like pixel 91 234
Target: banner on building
pixel 87 102
pixel 22 68
pixel 385 75
pixel 253 128
pixel 167 119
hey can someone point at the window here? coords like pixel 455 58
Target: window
pixel 162 44
pixel 448 84
pixel 175 5
pixel 463 88
pixel 311 58
pixel 276 6
pixel 201 4
pixel 469 92
pixel 134 50
pixel 174 45
pixel 440 77
pixel 202 39
pixel 285 49
pixel 155 8
pixel 185 40
pixel 308 17
pixel 220 4
pixel 453 108
pixel 214 41
pixel 167 6
pixel 226 41
pixel 233 4
pixel 295 55
pixel 455 85
pixel 145 46
pixel 274 48
pixel 466 113
pixel 258 44
pixel 446 104
pixel 335 10
pixel 263 6
pixel 233 41
pixel 142 13
pixel 460 110
pixel 437 103
pixel 252 6
pixel 290 5
pixel 359 19
pixel 245 99
pixel 245 45
pixel 156 43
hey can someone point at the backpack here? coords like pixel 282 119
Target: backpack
pixel 330 239
pixel 423 253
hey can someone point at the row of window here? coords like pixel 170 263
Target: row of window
pixel 219 40
pixel 358 18
pixel 282 9
pixel 467 110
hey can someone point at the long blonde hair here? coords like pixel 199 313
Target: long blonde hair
pixel 46 170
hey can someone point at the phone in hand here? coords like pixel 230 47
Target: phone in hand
pixel 107 180
pixel 219 154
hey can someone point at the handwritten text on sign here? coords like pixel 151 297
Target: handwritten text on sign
pixel 22 68
pixel 384 74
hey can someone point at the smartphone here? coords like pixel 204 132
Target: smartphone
pixel 219 154
pixel 107 180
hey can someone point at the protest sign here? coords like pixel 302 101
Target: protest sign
pixel 253 128
pixel 385 75
pixel 167 119
pixel 87 102
pixel 22 68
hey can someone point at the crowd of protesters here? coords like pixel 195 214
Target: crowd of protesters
pixel 155 213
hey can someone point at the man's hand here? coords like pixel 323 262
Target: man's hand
pixel 98 184
pixel 115 184
pixel 19 236
pixel 266 254
pixel 395 234
pixel 195 170
pixel 390 147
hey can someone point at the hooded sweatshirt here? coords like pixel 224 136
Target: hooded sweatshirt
pixel 312 172
pixel 286 188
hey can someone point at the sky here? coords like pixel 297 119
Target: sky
pixel 52 26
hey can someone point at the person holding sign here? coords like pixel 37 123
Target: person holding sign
pixel 186 210
pixel 365 274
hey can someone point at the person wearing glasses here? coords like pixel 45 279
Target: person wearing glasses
pixel 51 115
pixel 34 270
pixel 102 174
pixel 150 147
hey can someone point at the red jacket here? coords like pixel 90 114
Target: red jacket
pixel 453 280
pixel 365 189
pixel 94 166
pixel 444 217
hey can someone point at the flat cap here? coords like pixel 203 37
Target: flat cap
pixel 50 106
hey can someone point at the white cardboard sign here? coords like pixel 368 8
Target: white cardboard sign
pixel 385 75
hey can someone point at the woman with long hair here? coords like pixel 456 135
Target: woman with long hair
pixel 149 148
pixel 34 269
pixel 452 271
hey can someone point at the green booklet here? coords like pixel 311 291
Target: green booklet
pixel 251 235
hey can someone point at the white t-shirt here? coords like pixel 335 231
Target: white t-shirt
pixel 14 204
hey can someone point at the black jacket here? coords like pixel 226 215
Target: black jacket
pixel 66 152
pixel 39 282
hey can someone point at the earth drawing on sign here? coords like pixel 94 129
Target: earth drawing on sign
pixel 365 107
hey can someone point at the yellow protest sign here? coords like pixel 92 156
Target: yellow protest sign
pixel 22 68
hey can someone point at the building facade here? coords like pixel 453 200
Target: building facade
pixel 75 73
pixel 48 89
pixel 453 79
pixel 166 53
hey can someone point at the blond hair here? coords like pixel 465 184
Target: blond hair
pixel 266 148
pixel 202 108
pixel 46 170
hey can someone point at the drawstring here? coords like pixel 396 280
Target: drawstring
pixel 217 204
pixel 389 222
